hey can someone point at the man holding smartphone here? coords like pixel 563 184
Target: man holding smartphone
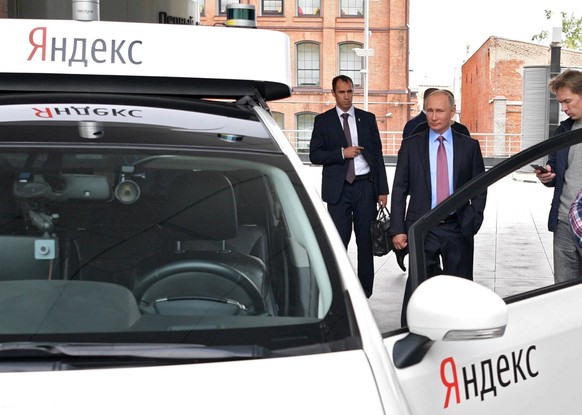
pixel 538 168
pixel 564 174
pixel 346 142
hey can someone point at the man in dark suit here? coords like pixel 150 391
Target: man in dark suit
pixel 416 176
pixel 412 123
pixel 354 178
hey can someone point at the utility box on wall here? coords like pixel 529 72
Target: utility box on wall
pixel 152 11
pixel 535 125
pixel 536 105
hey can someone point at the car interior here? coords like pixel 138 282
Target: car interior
pixel 99 240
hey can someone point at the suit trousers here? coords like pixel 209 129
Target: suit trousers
pixel 446 251
pixel 357 208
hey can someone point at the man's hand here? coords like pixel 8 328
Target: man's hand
pixel 353 151
pixel 382 201
pixel 400 241
pixel 545 177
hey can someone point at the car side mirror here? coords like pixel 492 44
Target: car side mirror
pixel 445 308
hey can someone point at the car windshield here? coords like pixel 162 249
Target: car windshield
pixel 157 224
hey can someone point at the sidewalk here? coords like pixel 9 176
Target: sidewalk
pixel 513 249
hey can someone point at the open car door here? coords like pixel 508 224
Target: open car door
pixel 509 342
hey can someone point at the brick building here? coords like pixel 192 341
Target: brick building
pixel 323 37
pixel 494 74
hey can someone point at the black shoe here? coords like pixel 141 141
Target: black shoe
pixel 400 254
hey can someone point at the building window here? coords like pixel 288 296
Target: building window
pixel 352 8
pixel 305 123
pixel 308 8
pixel 307 64
pixel 201 8
pixel 272 7
pixel 222 5
pixel 350 64
pixel 279 118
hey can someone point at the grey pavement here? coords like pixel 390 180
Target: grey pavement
pixel 513 249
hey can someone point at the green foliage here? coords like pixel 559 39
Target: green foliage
pixel 571 30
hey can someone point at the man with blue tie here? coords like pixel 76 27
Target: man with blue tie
pixel 430 166
pixel 346 142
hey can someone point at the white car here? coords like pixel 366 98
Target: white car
pixel 161 250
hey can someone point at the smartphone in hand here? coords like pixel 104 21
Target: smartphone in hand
pixel 540 168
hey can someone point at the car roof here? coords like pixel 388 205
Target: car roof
pixel 51 119
pixel 198 61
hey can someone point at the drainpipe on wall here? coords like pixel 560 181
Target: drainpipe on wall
pixel 499 125
pixel 555 69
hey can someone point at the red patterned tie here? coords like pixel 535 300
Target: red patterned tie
pixel 442 172
pixel 351 175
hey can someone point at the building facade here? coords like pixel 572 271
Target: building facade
pixel 325 37
pixel 492 90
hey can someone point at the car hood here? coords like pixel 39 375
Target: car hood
pixel 335 383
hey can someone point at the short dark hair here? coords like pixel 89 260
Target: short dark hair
pixel 343 78
pixel 427 92
pixel 448 92
pixel 570 78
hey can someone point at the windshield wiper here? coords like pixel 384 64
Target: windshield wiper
pixel 142 350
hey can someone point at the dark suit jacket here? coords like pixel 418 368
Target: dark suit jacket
pixel 559 162
pixel 412 123
pixel 328 139
pixel 412 178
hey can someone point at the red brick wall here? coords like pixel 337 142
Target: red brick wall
pixel 388 68
pixel 475 84
pixel 496 70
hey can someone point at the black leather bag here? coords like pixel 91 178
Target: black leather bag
pixel 380 233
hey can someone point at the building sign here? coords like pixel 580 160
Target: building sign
pixel 165 18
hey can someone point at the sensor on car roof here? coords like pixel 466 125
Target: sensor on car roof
pixel 91 129
pixel 230 137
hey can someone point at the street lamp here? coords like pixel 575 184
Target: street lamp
pixel 365 52
pixel 555 69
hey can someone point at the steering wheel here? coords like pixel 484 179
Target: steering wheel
pixel 200 269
